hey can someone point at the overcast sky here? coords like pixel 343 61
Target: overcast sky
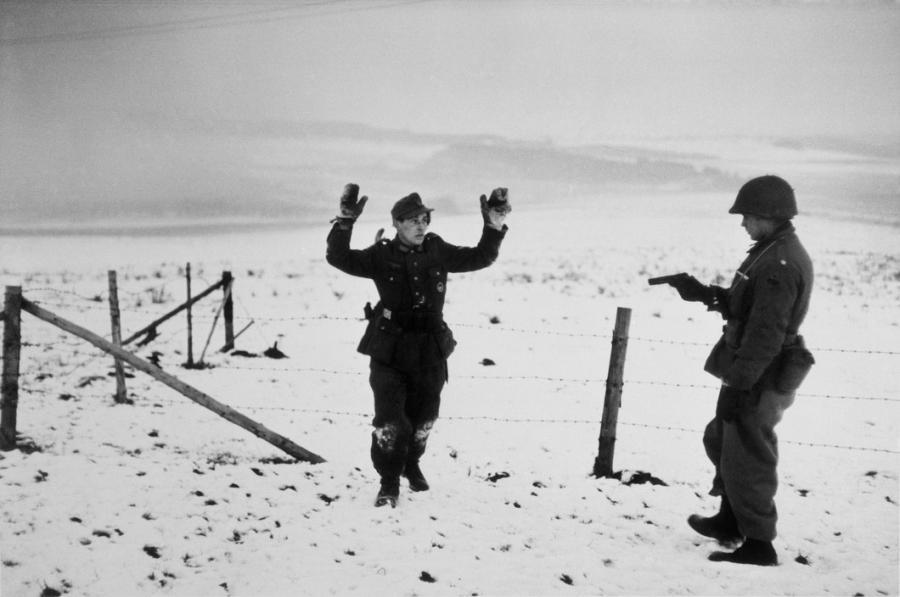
pixel 570 71
pixel 75 73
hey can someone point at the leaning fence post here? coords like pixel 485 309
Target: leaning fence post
pixel 9 389
pixel 223 410
pixel 228 312
pixel 150 329
pixel 603 464
pixel 121 396
pixel 215 321
pixel 190 329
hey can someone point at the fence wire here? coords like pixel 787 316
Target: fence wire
pixel 97 302
pixel 514 420
pixel 552 379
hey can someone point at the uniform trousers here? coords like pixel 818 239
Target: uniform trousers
pixel 407 404
pixel 745 454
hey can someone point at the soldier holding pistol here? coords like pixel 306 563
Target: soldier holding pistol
pixel 406 338
pixel 761 361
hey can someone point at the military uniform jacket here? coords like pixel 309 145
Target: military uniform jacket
pixel 406 328
pixel 764 307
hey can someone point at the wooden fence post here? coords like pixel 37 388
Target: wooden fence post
pixel 603 464
pixel 121 395
pixel 150 330
pixel 223 410
pixel 190 328
pixel 9 389
pixel 228 312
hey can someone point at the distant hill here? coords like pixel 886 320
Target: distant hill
pixel 567 166
pixel 153 169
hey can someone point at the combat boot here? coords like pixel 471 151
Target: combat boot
pixel 753 551
pixel 722 527
pixel 414 475
pixel 388 493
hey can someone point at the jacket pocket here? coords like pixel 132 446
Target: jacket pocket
pixel 392 271
pixel 380 339
pixel 720 358
pixel 437 278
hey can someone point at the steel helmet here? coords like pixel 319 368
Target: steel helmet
pixel 766 196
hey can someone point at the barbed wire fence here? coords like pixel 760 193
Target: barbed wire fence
pixel 99 304
pixel 85 302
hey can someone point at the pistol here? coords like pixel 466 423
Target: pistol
pixel 667 279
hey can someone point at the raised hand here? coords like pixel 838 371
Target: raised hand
pixel 351 207
pixel 494 210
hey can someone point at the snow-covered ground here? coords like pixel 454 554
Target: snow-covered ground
pixel 163 497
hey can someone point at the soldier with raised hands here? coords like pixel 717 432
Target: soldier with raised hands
pixel 406 338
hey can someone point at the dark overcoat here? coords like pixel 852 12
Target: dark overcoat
pixel 406 328
pixel 764 307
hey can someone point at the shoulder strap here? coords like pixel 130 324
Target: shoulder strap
pixel 744 274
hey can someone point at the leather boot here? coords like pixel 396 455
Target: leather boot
pixel 753 551
pixel 414 475
pixel 722 527
pixel 388 493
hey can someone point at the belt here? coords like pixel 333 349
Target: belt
pixel 733 325
pixel 415 320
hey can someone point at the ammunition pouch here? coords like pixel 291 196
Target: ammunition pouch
pixel 795 362
pixel 445 341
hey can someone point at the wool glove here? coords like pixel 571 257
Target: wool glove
pixel 351 206
pixel 690 289
pixel 494 210
pixel 730 402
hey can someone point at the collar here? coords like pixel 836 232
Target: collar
pixel 780 232
pixel 398 244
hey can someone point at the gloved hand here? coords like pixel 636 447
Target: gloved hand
pixel 690 289
pixel 350 206
pixel 494 210
pixel 730 403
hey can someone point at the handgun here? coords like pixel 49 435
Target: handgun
pixel 668 279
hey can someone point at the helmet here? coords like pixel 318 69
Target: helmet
pixel 767 196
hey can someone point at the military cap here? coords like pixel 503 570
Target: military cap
pixel 409 207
